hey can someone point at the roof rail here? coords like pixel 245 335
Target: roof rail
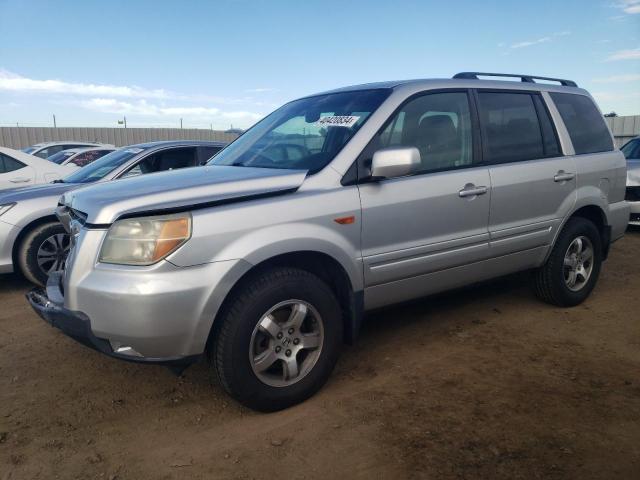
pixel 523 78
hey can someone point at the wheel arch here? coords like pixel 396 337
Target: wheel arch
pixel 321 264
pixel 595 214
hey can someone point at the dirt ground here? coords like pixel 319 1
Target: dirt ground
pixel 481 383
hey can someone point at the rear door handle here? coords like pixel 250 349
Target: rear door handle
pixel 470 190
pixel 20 180
pixel 563 176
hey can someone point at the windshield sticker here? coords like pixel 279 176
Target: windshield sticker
pixel 134 150
pixel 338 121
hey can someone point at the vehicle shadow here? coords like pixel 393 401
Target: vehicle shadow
pixel 13 282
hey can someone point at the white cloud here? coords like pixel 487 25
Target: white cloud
pixel 630 54
pixel 261 90
pixel 15 83
pixel 631 77
pixel 628 6
pixel 145 108
pixel 529 43
pixel 616 96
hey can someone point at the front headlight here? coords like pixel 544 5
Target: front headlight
pixel 144 241
pixel 6 207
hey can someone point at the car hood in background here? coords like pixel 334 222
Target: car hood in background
pixel 187 188
pixel 16 195
pixel 633 173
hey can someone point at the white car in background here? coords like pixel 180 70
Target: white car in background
pixel 80 157
pixel 46 149
pixel 18 169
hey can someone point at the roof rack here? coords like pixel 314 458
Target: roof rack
pixel 523 78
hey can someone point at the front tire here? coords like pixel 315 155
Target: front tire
pixel 572 269
pixel 278 339
pixel 42 251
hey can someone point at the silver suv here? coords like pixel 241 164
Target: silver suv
pixel 267 258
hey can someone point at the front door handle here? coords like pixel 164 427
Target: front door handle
pixel 20 180
pixel 470 190
pixel 563 176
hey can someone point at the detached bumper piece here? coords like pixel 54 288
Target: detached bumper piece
pixel 49 305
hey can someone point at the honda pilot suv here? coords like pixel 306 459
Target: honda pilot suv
pixel 266 259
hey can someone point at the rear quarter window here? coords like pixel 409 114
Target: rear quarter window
pixel 586 126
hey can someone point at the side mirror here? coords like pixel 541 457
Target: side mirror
pixel 395 162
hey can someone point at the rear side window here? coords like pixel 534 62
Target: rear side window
pixel 511 130
pixel 8 164
pixel 585 124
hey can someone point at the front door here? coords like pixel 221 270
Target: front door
pixel 433 220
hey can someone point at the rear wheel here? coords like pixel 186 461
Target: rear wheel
pixel 43 250
pixel 573 267
pixel 278 340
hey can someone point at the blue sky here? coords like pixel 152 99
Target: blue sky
pixel 232 61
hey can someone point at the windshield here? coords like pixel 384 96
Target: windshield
pixel 305 134
pixel 103 166
pixel 29 149
pixel 631 150
pixel 60 156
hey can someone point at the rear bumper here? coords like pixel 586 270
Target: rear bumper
pixel 618 219
pixel 48 304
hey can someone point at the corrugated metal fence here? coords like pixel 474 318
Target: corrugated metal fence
pixel 624 128
pixel 20 137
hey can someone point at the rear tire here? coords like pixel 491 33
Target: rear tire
pixel 572 269
pixel 42 250
pixel 261 357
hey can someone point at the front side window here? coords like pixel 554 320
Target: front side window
pixel 586 126
pixel 511 131
pixel 103 166
pixel 8 164
pixel 437 124
pixel 172 159
pixel 305 134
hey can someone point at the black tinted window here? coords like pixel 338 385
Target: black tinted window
pixel 511 129
pixel 205 153
pixel 631 150
pixel 549 137
pixel 171 159
pixel 586 127
pixel 8 164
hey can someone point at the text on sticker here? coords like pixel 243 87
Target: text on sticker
pixel 338 121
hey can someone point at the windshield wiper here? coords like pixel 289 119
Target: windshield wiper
pixel 59 180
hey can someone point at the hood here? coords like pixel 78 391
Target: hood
pixel 182 189
pixel 633 173
pixel 15 195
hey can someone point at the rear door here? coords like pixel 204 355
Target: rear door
pixel 430 221
pixel 533 185
pixel 15 174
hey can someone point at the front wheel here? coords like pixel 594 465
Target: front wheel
pixel 278 340
pixel 43 250
pixel 573 267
